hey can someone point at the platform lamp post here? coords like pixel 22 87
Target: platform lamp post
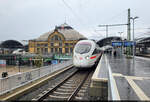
pixel 120 33
pixel 122 42
pixel 133 18
pixel 19 62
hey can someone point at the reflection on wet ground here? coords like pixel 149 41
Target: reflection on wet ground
pixel 132 78
pixel 121 65
pixel 144 85
pixel 126 92
pixel 126 67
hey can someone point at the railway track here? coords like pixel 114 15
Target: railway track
pixel 73 87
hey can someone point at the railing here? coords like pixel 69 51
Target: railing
pixel 14 81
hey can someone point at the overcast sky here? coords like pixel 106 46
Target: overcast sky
pixel 28 19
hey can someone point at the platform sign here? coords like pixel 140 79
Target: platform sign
pixel 117 44
pixel 54 62
pixel 2 63
pixel 127 44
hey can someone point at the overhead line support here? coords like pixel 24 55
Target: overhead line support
pixel 110 25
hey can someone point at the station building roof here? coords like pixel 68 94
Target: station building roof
pixel 143 40
pixel 68 32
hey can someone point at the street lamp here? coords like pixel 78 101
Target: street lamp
pixel 133 18
pixel 120 33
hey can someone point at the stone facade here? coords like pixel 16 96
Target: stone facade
pixel 61 40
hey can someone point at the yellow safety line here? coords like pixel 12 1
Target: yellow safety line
pixel 117 74
pixel 137 89
pixel 131 77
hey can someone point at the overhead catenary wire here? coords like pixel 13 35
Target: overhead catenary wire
pixel 116 16
pixel 72 11
pixel 80 21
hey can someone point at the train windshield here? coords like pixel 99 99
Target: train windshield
pixel 83 48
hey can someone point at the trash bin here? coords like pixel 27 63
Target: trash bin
pixel 4 74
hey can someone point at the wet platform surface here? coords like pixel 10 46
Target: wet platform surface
pixel 132 79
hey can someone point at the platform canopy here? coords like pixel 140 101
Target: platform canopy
pixel 11 44
pixel 145 41
pixel 108 41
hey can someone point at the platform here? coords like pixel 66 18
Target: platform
pixel 130 80
pixel 99 80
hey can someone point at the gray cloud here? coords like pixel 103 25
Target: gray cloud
pixel 27 19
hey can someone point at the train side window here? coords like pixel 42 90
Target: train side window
pixel 95 52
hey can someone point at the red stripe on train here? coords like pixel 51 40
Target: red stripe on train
pixel 92 57
pixel 81 58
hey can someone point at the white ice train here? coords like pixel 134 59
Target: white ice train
pixel 86 54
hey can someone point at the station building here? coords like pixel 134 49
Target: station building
pixel 61 40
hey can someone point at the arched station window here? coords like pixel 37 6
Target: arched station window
pixel 55 37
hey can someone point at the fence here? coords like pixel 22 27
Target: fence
pixel 9 83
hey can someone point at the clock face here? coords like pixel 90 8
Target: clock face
pixel 56 44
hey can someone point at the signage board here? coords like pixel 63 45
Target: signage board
pixel 117 43
pixel 126 44
pixel 54 62
pixel 3 63
pixel 129 43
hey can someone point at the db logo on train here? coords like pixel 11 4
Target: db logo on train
pixel 81 58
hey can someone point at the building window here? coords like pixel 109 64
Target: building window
pixel 45 45
pixel 60 44
pixel 59 38
pixel 42 50
pixel 66 50
pixel 52 50
pixel 38 50
pixel 38 45
pixel 66 44
pixel 56 50
pixel 60 50
pixel 53 38
pixel 56 37
pixel 71 44
pixel 71 50
pixel 46 50
pixel 52 44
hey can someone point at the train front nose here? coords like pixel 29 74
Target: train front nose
pixel 80 61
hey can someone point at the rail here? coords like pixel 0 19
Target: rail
pixel 59 84
pixel 70 96
pixel 78 88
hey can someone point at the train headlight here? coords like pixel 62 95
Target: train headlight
pixel 87 57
